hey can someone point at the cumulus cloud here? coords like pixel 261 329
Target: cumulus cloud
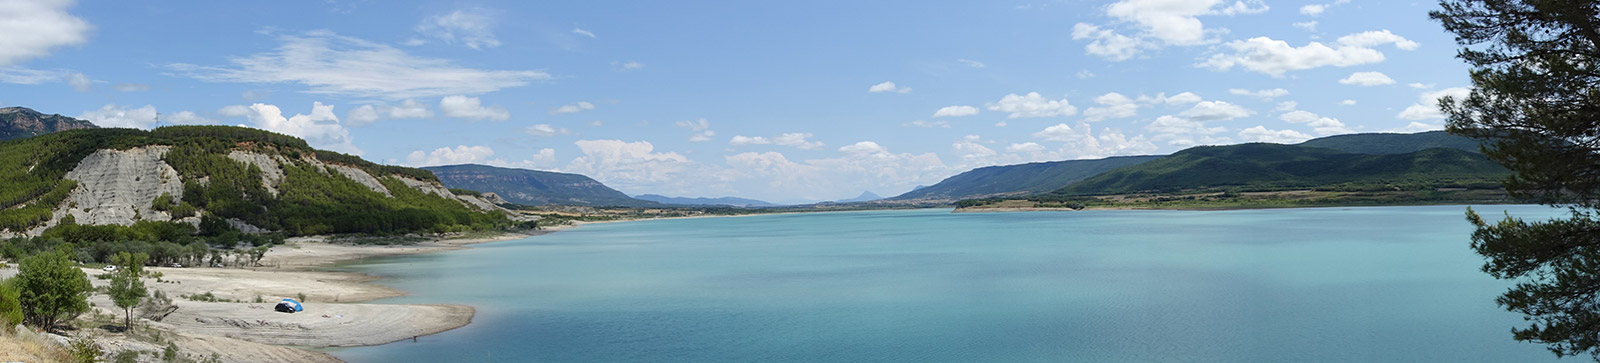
pixel 1262 134
pixel 1318 9
pixel 368 114
pixel 956 111
pixel 1024 147
pixel 1417 127
pixel 187 118
pixel 1183 132
pixel 1032 105
pixel 462 154
pixel 1112 106
pixel 1265 94
pixel 741 140
pixel 888 87
pixel 1367 79
pixel 1347 103
pixel 1081 143
pixel 118 116
pixel 572 108
pixel 1275 57
pixel 545 130
pixel 364 115
pixel 469 27
pixel 328 63
pixel 799 140
pixel 1215 111
pixel 1157 23
pixel 472 108
pixel 33 28
pixel 1186 98
pixel 630 165
pixel 321 128
pixel 1427 106
pixel 701 129
pixel 1310 26
pixel 1321 125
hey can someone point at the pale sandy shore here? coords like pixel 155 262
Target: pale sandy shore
pixel 242 330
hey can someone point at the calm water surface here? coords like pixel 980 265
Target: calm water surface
pixel 1391 284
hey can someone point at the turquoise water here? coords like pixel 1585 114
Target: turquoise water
pixel 1391 284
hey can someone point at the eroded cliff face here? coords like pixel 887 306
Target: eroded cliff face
pixel 120 186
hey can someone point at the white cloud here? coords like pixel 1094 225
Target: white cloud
pixel 1310 26
pixel 1186 98
pixel 971 63
pixel 864 147
pixel 33 28
pixel 1367 79
pixel 1080 143
pixel 1414 127
pixel 888 87
pixel 187 118
pixel 741 140
pixel 1106 43
pixel 1085 74
pixel 1427 106
pixel 798 140
pixel 545 130
pixel 461 154
pixel 1421 85
pixel 1158 23
pixel 921 123
pixel 80 82
pixel 328 63
pixel 408 109
pixel 1024 147
pixel 956 111
pixel 1032 105
pixel 1180 131
pixel 701 129
pixel 1321 125
pixel 118 116
pixel 696 125
pixel 1347 103
pixel 1318 9
pixel 1215 111
pixel 1287 106
pixel 631 165
pixel 1275 57
pixel 1112 106
pixel 572 108
pixel 1262 134
pixel 364 115
pixel 471 108
pixel 581 31
pixel 321 128
pixel 470 27
pixel 1266 94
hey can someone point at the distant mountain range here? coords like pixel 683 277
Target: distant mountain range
pixel 1353 158
pixel 728 201
pixel 1016 180
pixel 866 196
pixel 20 122
pixel 534 187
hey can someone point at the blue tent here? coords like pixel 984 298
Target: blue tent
pixel 292 304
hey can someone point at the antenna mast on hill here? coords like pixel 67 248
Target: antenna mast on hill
pixel 158 120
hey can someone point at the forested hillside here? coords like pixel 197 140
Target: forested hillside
pixel 534 187
pixel 1019 179
pixel 1383 143
pixel 124 184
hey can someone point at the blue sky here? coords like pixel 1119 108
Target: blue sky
pixel 788 102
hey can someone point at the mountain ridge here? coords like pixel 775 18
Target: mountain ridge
pixel 534 187
pixel 21 122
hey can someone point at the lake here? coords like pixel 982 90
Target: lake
pixel 1370 284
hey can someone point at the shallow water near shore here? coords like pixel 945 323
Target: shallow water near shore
pixel 1371 284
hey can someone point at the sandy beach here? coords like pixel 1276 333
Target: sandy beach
pixel 238 329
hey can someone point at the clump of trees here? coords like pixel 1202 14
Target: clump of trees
pixel 50 289
pixel 1536 103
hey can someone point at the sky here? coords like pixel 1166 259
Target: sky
pixel 780 101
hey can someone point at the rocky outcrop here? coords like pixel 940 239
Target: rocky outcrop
pixel 361 176
pixel 119 186
pixel 271 171
pixel 19 122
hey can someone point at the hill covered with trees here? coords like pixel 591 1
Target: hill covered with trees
pixel 534 187
pixel 1016 180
